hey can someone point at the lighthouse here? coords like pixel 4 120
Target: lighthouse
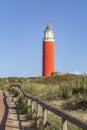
pixel 48 51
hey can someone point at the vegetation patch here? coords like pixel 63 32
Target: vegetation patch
pixel 22 105
pixel 72 89
pixel 14 91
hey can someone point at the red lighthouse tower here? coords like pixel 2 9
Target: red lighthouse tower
pixel 48 51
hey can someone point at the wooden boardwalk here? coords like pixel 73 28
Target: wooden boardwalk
pixel 9 117
pixel 8 114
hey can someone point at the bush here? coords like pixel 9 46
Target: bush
pixel 65 90
pixel 15 92
pixel 22 105
pixel 52 93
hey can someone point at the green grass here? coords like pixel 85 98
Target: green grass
pixel 68 89
pixel 62 87
pixel 22 105
pixel 73 91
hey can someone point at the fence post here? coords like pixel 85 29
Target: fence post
pixel 32 107
pixel 64 124
pixel 44 118
pixel 29 104
pixel 17 88
pixel 20 92
pixel 37 115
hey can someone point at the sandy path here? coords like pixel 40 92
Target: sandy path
pixel 10 119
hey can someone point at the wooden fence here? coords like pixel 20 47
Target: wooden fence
pixel 46 107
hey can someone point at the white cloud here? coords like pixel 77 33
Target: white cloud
pixel 76 72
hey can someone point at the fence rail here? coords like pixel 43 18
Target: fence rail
pixel 46 107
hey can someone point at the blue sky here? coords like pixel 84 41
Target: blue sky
pixel 22 23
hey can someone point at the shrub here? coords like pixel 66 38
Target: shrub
pixel 15 92
pixel 22 105
pixel 52 93
pixel 65 90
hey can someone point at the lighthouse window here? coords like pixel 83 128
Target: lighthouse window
pixel 46 49
pixel 46 62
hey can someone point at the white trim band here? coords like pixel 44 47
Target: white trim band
pixel 49 40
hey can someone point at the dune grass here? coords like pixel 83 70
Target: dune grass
pixel 72 90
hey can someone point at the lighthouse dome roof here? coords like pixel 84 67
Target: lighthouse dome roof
pixel 48 28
